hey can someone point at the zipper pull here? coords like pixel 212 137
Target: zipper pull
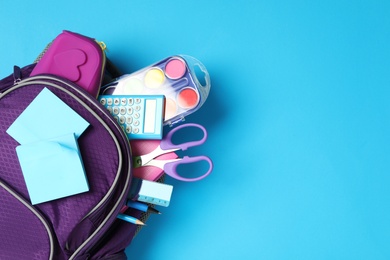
pixel 102 45
pixel 17 75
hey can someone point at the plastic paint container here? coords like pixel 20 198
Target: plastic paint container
pixel 174 77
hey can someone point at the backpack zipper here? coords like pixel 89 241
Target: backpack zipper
pixel 40 80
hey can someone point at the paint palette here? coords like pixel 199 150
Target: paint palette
pixel 182 79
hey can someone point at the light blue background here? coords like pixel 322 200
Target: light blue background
pixel 298 118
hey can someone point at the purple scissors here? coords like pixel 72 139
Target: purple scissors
pixel 166 146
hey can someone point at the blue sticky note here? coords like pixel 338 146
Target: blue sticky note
pixel 46 117
pixel 52 168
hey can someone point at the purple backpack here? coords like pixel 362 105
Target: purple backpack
pixel 83 226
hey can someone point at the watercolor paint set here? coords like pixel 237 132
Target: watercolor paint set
pixel 182 79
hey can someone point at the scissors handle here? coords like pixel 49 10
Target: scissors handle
pixel 166 142
pixel 170 168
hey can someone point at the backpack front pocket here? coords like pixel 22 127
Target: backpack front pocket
pixel 24 232
pixel 106 158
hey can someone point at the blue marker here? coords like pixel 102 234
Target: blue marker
pixel 141 206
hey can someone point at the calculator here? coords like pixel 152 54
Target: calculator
pixel 140 116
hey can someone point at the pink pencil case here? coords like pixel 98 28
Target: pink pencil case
pixel 75 57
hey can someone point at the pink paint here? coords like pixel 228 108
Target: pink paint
pixel 175 68
pixel 187 98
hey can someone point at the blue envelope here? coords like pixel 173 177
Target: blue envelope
pixel 52 168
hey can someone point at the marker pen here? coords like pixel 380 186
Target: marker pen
pixel 141 206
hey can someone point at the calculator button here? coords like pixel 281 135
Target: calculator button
pixel 122 119
pixel 136 131
pixel 130 101
pixel 136 123
pixel 129 110
pixel 137 108
pixel 128 129
pixel 116 101
pixel 136 115
pixel 123 101
pixel 115 110
pixel 103 101
pixel 109 108
pixel 109 101
pixel 122 110
pixel 129 120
